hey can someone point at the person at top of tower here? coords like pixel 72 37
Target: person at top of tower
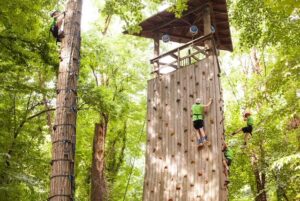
pixel 198 117
pixel 247 130
pixel 56 27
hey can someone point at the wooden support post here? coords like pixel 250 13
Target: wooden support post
pixel 178 59
pixel 207 28
pixel 156 54
pixel 189 54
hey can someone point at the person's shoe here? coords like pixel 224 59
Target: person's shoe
pixel 200 142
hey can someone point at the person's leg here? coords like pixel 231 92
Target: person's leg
pixel 198 134
pixel 225 168
pixel 237 131
pixel 202 132
pixel 204 137
pixel 246 138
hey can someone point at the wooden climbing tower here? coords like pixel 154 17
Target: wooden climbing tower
pixel 175 168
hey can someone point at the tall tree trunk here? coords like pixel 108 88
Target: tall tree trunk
pixel 260 180
pixel 62 185
pixel 98 184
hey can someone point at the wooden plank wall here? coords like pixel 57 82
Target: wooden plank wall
pixel 175 169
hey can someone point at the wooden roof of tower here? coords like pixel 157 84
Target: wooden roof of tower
pixel 165 22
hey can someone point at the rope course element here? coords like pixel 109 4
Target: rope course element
pixel 62 141
pixel 72 125
pixel 61 195
pixel 67 90
pixel 62 159
pixel 71 177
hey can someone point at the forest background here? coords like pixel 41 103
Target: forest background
pixel 262 74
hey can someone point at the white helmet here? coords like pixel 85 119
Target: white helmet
pixel 198 100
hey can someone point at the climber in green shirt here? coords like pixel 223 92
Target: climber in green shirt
pixel 247 130
pixel 56 27
pixel 198 116
pixel 228 156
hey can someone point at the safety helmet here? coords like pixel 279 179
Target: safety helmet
pixel 54 13
pixel 198 100
pixel 247 113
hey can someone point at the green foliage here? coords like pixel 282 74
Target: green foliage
pixel 269 26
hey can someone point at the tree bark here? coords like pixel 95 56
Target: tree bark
pixel 98 183
pixel 62 185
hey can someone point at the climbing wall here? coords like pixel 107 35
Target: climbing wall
pixel 176 170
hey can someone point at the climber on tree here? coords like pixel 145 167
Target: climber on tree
pixel 56 27
pixel 248 129
pixel 198 116
pixel 228 154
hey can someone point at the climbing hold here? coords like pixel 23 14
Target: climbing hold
pixel 153 150
pixel 203 72
pixel 191 185
pixel 178 188
pixel 179 144
pixel 212 121
pixel 185 130
pixel 166 124
pixel 154 108
pixel 172 133
pixel 159 137
pixel 191 96
pixel 197 83
pixel 192 162
pixel 178 82
pixel 199 174
pixel 185 109
pixel 178 100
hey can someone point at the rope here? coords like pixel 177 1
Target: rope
pixel 62 141
pixel 229 82
pixel 71 177
pixel 133 163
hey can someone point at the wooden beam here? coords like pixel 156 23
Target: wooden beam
pixel 195 58
pixel 167 64
pixel 156 52
pixel 175 19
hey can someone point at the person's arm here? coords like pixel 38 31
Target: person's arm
pixel 209 103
